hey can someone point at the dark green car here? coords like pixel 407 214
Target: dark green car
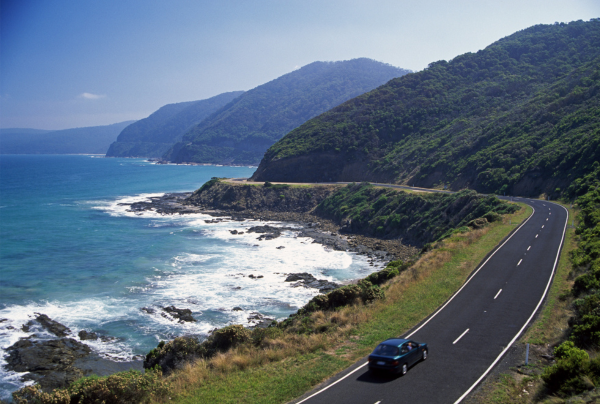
pixel 396 355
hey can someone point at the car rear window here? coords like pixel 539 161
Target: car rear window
pixel 386 350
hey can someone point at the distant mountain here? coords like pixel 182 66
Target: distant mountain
pixel 89 140
pixel 521 116
pixel 154 135
pixel 243 130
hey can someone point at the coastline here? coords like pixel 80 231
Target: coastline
pixel 37 353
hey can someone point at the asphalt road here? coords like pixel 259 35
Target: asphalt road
pixel 470 333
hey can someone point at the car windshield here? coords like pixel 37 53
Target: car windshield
pixel 386 350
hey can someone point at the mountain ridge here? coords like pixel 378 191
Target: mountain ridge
pixel 243 130
pixel 493 121
pixel 155 134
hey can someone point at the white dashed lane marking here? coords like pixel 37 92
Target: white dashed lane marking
pixel 497 294
pixel 520 262
pixel 528 248
pixel 461 335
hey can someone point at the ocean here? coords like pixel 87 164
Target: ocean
pixel 69 249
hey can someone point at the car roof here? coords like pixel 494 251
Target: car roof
pixel 394 341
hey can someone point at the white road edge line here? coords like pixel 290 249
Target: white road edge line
pixel 497 294
pixel 332 384
pixel 434 314
pixel 521 260
pixel 528 320
pixel 461 335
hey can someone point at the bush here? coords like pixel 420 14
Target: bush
pixel 572 372
pixel 586 327
pixel 228 337
pixel 181 350
pixel 391 270
pixel 175 353
pixel 120 388
pixel 492 217
pixel 364 291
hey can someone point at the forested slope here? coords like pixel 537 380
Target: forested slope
pixel 521 116
pixel 242 131
pixel 154 135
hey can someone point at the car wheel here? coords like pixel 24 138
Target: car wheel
pixel 404 369
pixel 424 355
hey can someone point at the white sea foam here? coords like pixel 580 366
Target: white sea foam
pixel 121 206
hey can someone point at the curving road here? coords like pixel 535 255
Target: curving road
pixel 469 334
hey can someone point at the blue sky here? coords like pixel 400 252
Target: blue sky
pixel 67 64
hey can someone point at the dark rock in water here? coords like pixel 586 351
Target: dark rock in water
pixel 48 324
pixel 268 232
pixel 280 247
pixel 167 204
pixel 233 231
pixel 148 310
pixel 300 277
pixel 308 281
pixel 180 314
pixel 237 309
pixel 259 321
pixel 255 276
pixel 50 362
pixel 329 240
pixel 84 335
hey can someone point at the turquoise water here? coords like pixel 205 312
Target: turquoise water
pixel 68 249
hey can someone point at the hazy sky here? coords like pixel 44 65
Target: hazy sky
pixel 67 64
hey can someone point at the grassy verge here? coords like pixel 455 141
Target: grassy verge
pixel 301 362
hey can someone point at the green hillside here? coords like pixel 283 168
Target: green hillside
pixel 242 131
pixel 88 140
pixel 154 135
pixel 521 116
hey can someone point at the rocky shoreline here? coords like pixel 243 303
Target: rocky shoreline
pixel 322 231
pixel 53 356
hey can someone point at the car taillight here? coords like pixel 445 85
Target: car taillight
pixel 395 363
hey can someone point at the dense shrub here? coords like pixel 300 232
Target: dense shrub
pixel 586 326
pixel 119 388
pixel 364 292
pixel 573 372
pixel 175 353
pixel 391 270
